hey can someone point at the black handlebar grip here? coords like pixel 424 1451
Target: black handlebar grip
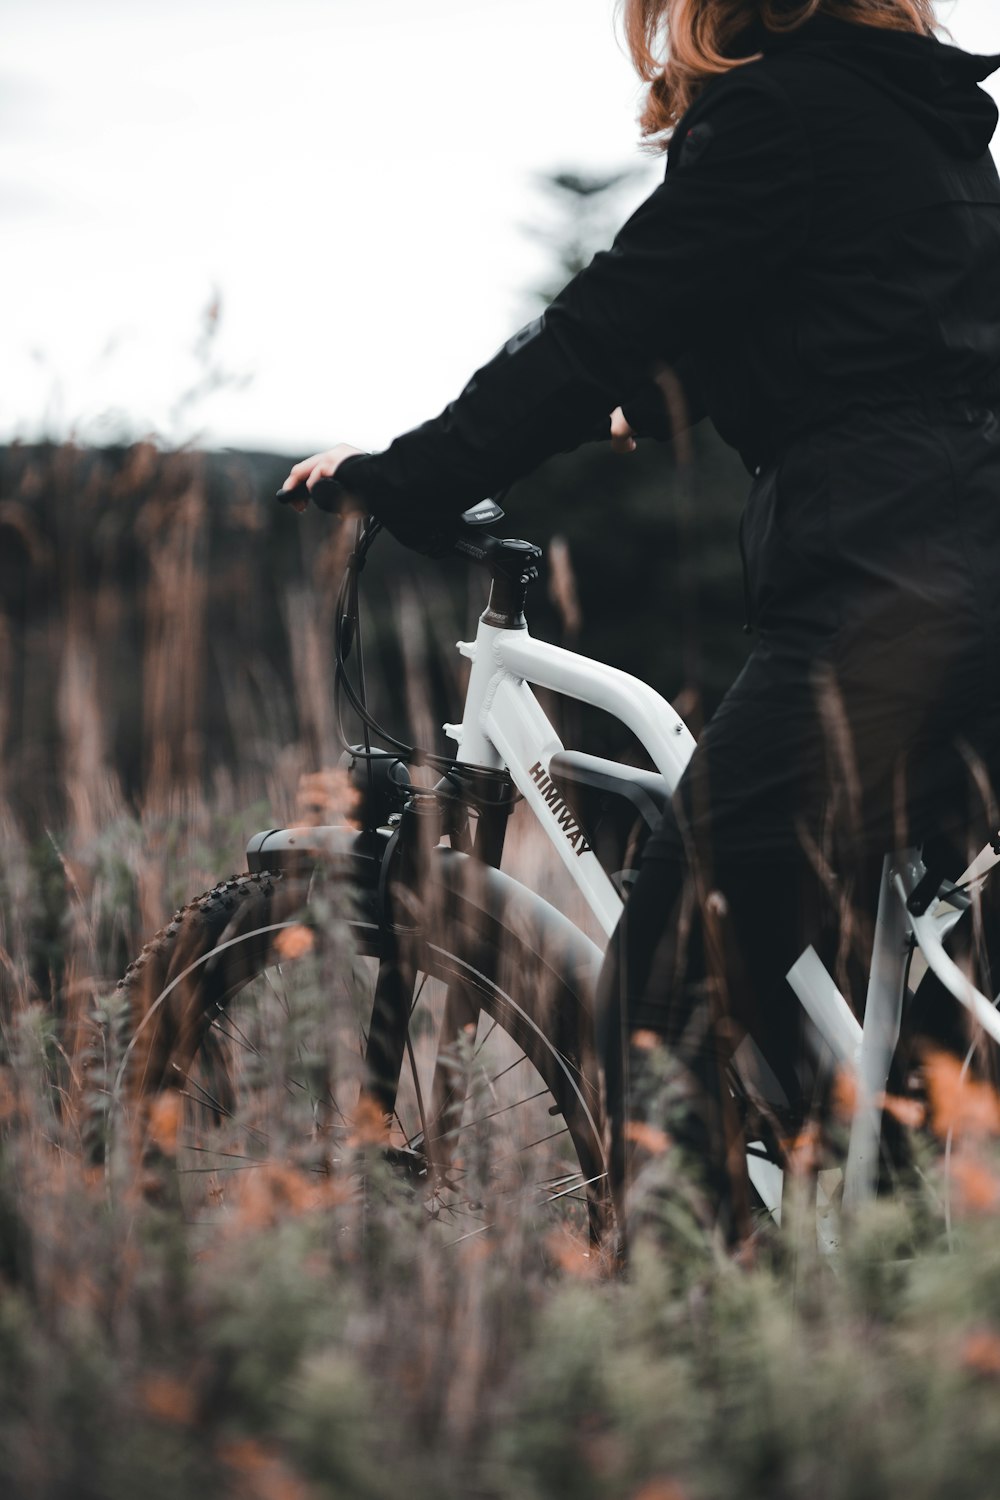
pixel 330 495
pixel 326 494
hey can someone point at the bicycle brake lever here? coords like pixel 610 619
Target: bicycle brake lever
pixel 483 514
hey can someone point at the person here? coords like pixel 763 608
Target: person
pixel 819 274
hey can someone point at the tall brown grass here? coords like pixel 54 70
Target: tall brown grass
pixel 271 1332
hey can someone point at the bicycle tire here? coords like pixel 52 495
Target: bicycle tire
pixel 182 987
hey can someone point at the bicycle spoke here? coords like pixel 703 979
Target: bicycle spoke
pixel 494 1114
pixel 201 1171
pixel 293 1068
pixel 416 1085
pixel 471 1235
pixel 209 1098
pixel 509 1069
pixel 215 1104
pixel 569 1194
pixel 601 1177
pixel 485 1039
pixel 532 1144
pixel 315 1099
pixel 218 1151
pixel 281 999
pixel 240 1038
pixel 416 998
pixel 552 1182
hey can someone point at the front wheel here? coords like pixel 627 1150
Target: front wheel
pixel 277 1019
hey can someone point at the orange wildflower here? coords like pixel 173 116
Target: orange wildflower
pixel 8 1095
pixel 976 1187
pixel 326 796
pixel 844 1095
pixel 661 1489
pixel 646 1041
pixel 165 1115
pixel 961 1105
pixel 909 1112
pixel 648 1137
pixel 272 1191
pixel 802 1152
pixel 167 1399
pixel 573 1254
pixel 371 1123
pixel 76 1288
pixel 245 1454
pixel 294 942
pixel 981 1352
pixel 262 1474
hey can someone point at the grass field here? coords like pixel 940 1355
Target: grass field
pixel 286 1337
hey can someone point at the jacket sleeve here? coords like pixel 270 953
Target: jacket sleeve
pixel 666 404
pixel 734 200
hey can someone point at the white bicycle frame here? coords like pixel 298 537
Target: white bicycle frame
pixel 504 727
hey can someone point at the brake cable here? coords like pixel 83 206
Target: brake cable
pixel 348 639
pixel 355 614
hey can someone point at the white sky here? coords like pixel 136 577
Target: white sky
pixel 354 176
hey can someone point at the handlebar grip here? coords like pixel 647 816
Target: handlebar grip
pixel 326 494
pixel 330 495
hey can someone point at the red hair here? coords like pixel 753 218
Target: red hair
pixel 678 45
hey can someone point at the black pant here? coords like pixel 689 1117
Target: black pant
pixel 867 718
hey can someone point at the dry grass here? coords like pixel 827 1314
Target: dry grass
pixel 270 1328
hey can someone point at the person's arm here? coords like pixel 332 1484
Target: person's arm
pixel 735 201
pixel 666 404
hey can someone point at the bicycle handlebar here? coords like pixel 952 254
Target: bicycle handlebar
pixel 326 494
pixel 512 564
pixel 508 556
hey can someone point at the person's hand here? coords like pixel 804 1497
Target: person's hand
pixel 622 436
pixel 308 471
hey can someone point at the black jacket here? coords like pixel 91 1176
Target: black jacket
pixel 827 236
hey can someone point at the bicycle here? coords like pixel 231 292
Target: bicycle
pixel 473 974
